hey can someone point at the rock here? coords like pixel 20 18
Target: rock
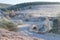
pixel 20 22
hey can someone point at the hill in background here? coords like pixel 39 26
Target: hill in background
pixel 23 5
pixel 2 5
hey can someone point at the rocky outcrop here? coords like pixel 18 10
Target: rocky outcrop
pixel 8 35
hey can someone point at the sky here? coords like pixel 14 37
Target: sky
pixel 13 2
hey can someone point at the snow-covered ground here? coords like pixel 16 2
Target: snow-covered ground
pixel 24 30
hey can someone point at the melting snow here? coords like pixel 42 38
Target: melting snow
pixel 24 30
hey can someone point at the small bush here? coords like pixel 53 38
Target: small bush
pixel 7 24
pixel 3 26
pixel 55 27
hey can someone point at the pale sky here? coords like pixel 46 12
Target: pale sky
pixel 22 1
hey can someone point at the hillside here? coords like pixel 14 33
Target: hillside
pixel 22 5
pixel 2 5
